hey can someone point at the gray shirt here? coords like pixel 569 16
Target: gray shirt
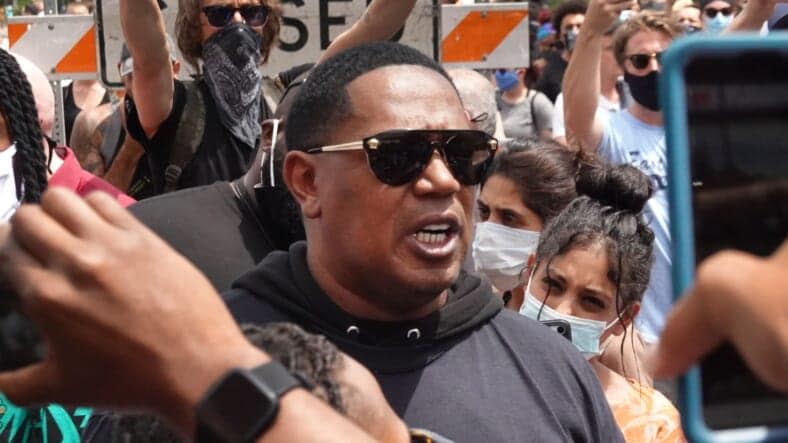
pixel 528 117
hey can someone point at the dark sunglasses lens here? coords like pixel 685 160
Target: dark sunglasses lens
pixel 640 61
pixel 399 159
pixel 711 13
pixel 469 157
pixel 219 16
pixel 254 15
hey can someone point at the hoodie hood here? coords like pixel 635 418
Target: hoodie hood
pixel 283 281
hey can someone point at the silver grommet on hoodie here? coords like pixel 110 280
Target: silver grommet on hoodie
pixel 414 334
pixel 353 330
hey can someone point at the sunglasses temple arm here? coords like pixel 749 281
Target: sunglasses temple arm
pixel 352 146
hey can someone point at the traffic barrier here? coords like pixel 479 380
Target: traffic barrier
pixel 64 47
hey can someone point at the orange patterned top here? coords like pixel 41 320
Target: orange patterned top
pixel 647 416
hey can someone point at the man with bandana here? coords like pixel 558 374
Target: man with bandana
pixel 635 135
pixel 197 133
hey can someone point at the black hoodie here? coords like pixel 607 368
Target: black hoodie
pixel 471 371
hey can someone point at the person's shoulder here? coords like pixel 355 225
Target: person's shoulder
pixel 529 335
pixel 541 99
pixel 248 307
pixel 648 413
pixel 200 201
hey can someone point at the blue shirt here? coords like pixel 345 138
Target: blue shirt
pixel 627 140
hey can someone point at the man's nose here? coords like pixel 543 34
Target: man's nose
pixel 437 177
pixel 237 17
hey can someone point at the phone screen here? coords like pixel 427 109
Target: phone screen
pixel 738 132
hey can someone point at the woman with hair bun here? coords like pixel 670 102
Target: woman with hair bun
pixel 592 268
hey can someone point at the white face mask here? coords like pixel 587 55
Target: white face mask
pixel 501 253
pixel 8 201
pixel 586 334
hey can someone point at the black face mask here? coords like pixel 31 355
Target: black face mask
pixel 644 89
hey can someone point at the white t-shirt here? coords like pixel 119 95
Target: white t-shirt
pixel 629 140
pixel 603 109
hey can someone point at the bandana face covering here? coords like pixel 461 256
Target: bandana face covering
pixel 232 72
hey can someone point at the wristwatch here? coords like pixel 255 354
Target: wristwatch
pixel 243 404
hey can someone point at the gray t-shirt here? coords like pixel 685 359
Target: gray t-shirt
pixel 528 117
pixel 629 140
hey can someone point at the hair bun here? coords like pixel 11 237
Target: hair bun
pixel 623 187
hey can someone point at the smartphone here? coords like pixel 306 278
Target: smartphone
pixel 562 327
pixel 725 102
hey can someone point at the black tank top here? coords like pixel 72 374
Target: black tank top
pixel 71 110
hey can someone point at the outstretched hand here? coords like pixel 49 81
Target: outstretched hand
pixel 602 14
pixel 738 298
pixel 121 313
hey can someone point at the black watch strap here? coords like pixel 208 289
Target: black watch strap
pixel 243 404
pixel 277 377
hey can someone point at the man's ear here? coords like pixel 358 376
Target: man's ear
pixel 299 175
pixel 176 68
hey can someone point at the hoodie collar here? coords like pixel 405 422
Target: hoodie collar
pixel 284 281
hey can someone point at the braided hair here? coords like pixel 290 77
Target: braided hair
pixel 18 107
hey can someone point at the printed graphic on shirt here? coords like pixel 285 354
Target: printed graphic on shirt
pixel 51 424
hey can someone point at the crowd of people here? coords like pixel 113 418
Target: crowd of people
pixel 367 247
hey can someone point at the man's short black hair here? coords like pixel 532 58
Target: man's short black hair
pixel 323 101
pixel 567 8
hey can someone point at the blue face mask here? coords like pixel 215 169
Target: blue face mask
pixel 586 334
pixel 717 24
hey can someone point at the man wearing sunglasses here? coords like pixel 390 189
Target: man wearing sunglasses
pixel 383 164
pixel 717 15
pixel 226 41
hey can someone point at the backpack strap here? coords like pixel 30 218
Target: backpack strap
pixel 533 114
pixel 188 136
pixel 111 138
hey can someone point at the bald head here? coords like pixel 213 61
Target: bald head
pixel 478 97
pixel 42 92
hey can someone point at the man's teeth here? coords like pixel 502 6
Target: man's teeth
pixel 442 227
pixel 431 237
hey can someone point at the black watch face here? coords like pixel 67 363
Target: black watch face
pixel 238 407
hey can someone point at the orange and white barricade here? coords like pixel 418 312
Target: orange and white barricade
pixel 63 46
pixel 491 35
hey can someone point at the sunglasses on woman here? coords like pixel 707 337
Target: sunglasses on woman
pixel 220 16
pixel 400 156
pixel 711 12
pixel 641 61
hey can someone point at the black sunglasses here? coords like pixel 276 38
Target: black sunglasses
pixel 711 12
pixel 641 61
pixel 220 16
pixel 400 156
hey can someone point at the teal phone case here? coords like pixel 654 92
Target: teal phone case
pixel 673 97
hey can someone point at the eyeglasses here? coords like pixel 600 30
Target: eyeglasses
pixel 641 61
pixel 400 156
pixel 220 16
pixel 711 12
